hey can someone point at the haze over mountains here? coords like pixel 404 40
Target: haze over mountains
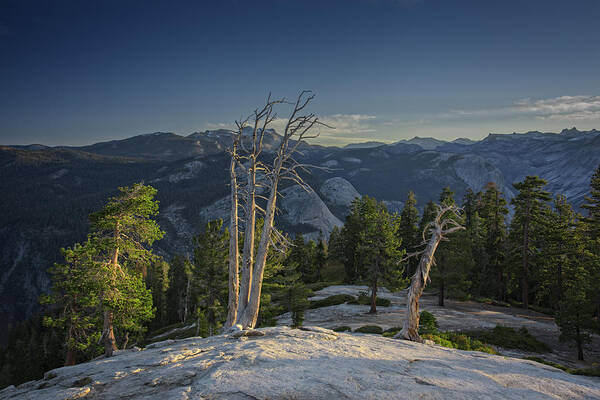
pixel 48 192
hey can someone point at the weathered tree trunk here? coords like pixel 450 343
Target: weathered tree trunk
pixel 234 255
pixel 110 344
pixel 248 255
pixel 108 333
pixel 126 341
pixel 373 309
pixel 579 341
pixel 410 328
pixel 500 281
pixel 187 297
pixel 71 357
pixel 250 315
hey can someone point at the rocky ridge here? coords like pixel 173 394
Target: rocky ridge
pixel 312 363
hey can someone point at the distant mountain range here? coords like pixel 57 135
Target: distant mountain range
pixel 49 191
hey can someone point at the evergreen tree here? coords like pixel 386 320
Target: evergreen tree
pixel 408 231
pixel 429 213
pixel 180 288
pixel 295 292
pixel 157 279
pixel 211 249
pixel 76 292
pixel 105 273
pixel 320 259
pixel 378 248
pixel 575 315
pixel 592 205
pixel 350 237
pixel 453 259
pixel 493 212
pixel 561 248
pixel 592 227
pixel 527 227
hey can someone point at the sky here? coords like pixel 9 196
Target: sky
pixel 80 72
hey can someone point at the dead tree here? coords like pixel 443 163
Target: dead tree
pixel 234 255
pixel 267 176
pixel 440 227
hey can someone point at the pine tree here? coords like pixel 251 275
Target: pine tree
pixel 526 228
pixel 561 246
pixel 429 213
pixel 453 258
pixel 210 274
pixel 408 231
pixel 295 292
pixel 179 291
pixel 493 212
pixel 378 248
pixel 320 259
pixel 592 205
pixel 575 315
pixel 592 227
pixel 104 274
pixel 157 280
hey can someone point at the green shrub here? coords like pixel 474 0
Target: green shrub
pixel 390 332
pixel 331 301
pixel 457 340
pixel 366 300
pixel 573 371
pixel 508 338
pixel 427 323
pixel 369 329
pixel 343 328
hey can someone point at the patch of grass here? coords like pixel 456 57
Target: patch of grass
pixel 366 300
pixel 331 301
pixel 456 340
pixel 573 371
pixel 509 338
pixel 343 328
pixel 370 329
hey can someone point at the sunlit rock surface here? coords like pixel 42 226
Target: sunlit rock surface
pixel 296 364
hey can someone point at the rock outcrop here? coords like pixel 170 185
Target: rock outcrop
pixel 308 363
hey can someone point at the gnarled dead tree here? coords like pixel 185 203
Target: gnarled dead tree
pixel 442 225
pixel 246 156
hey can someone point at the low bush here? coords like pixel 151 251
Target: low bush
pixel 331 301
pixel 343 328
pixel 457 340
pixel 366 300
pixel 573 371
pixel 509 338
pixel 369 329
pixel 427 323
pixel 390 332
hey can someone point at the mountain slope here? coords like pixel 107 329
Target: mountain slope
pixel 49 192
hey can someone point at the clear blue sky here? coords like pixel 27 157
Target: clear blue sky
pixel 77 72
